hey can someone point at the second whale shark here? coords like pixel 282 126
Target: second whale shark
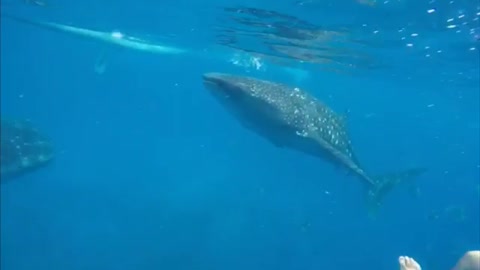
pixel 289 117
pixel 114 38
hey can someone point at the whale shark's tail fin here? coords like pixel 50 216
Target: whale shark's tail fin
pixel 385 183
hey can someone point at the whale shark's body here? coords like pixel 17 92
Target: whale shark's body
pixel 114 38
pixel 23 148
pixel 291 118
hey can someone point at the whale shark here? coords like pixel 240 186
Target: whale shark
pixel 289 117
pixel 114 37
pixel 23 148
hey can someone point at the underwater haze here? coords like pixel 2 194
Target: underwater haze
pixel 151 172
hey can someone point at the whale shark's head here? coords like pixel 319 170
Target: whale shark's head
pixel 249 99
pixel 227 87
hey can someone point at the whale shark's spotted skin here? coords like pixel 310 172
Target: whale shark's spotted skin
pixel 287 116
pixel 23 148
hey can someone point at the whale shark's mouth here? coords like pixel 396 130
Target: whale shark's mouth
pixel 223 85
pixel 212 79
pixel 209 82
pixel 216 82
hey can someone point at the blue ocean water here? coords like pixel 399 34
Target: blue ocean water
pixel 150 172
